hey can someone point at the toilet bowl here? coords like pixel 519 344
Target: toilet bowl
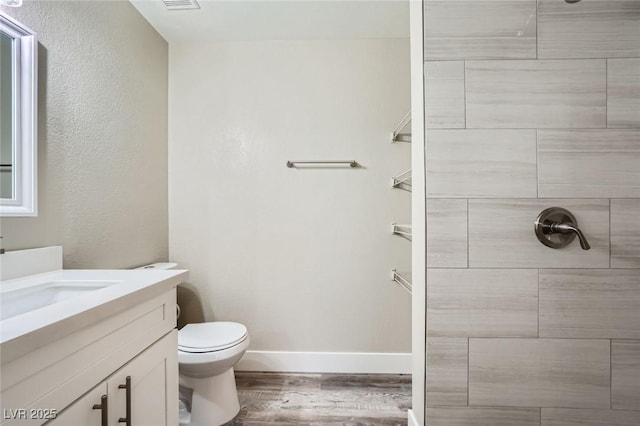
pixel 207 353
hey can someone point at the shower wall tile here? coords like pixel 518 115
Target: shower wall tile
pixel 536 94
pixel 447 236
pixel 590 29
pixel 532 104
pixel 444 82
pixel 447 373
pixel 480 29
pixel 481 163
pixel 482 303
pixel 584 417
pixel 473 416
pixel 501 234
pixel 589 163
pixel 625 233
pixel 625 375
pixel 623 92
pixel 581 303
pixel 526 373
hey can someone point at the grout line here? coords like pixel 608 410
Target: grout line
pixel 538 303
pixel 606 93
pixel 464 73
pixel 507 407
pixel 609 233
pixel 468 366
pixel 518 199
pixel 541 338
pixel 532 59
pixel 468 234
pixel 537 172
pixel 530 268
pixel 423 161
pixel 537 28
pixel 610 373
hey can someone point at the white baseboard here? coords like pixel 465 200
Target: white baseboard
pixel 326 362
pixel 413 421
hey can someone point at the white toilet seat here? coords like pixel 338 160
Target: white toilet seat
pixel 210 348
pixel 211 336
pixel 190 360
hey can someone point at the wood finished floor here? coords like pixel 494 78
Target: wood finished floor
pixel 322 399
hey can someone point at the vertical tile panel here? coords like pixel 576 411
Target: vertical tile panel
pixel 501 234
pixel 447 372
pixel 472 416
pixel 536 94
pixel 480 29
pixel 589 29
pixel 601 303
pixel 584 417
pixel 623 92
pixel 625 233
pixel 444 103
pixel 447 233
pixel 625 375
pixel 569 373
pixel 481 163
pixel 589 163
pixel 482 302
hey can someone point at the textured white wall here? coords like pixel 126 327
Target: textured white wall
pixel 102 135
pixel 302 257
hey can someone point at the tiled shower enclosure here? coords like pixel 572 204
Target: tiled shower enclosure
pixel 529 105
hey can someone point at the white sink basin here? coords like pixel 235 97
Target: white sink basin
pixel 23 300
pixel 39 305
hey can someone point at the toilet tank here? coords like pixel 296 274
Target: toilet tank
pixel 160 265
pixel 189 300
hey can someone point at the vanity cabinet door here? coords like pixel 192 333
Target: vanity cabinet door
pixel 152 386
pixel 82 412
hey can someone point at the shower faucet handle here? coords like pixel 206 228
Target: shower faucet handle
pixel 567 228
pixel 556 227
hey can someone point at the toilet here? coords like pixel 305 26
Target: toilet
pixel 207 353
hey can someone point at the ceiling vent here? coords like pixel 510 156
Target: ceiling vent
pixel 181 4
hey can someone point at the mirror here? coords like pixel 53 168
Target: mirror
pixel 18 103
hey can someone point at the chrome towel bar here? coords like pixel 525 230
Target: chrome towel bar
pixel 398 135
pixel 404 280
pixel 402 180
pixel 351 163
pixel 401 230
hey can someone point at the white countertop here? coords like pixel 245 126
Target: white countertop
pixel 31 329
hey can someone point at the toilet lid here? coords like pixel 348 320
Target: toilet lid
pixel 210 336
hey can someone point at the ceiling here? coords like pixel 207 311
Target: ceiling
pixel 242 20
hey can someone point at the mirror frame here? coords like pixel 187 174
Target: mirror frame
pixel 25 120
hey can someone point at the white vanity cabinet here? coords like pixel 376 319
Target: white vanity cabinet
pixel 70 373
pixel 83 411
pixel 137 390
pixel 152 402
